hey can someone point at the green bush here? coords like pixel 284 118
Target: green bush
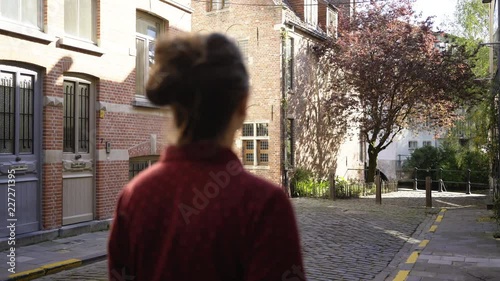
pixel 454 159
pixel 305 184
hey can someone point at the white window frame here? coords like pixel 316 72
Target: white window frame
pixel 255 140
pixel 93 38
pixel 412 145
pixel 311 12
pixel 147 41
pixel 19 21
pixel 427 143
pixel 332 22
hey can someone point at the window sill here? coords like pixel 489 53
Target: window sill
pixel 214 12
pixel 81 46
pixel 251 167
pixel 25 32
pixel 140 101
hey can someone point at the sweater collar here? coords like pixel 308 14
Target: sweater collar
pixel 199 151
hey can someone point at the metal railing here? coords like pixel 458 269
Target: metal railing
pixel 443 177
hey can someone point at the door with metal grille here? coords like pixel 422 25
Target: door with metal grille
pixel 20 147
pixel 78 151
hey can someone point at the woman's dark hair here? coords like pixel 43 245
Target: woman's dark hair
pixel 203 78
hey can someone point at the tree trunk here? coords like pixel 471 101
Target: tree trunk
pixel 372 163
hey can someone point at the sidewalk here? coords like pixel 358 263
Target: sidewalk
pixel 49 257
pixel 459 245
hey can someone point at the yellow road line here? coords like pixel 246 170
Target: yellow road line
pixel 413 257
pixel 439 218
pixel 402 274
pixel 45 269
pixel 433 228
pixel 443 210
pixel 423 243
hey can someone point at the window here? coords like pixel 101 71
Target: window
pixel 311 12
pixel 17 112
pixel 148 28
pixel 427 143
pixel 138 164
pixel 332 22
pixel 289 144
pixel 26 12
pixel 76 116
pixel 243 45
pixel 255 142
pixel 412 145
pixel 80 19
pixel 214 5
pixel 289 60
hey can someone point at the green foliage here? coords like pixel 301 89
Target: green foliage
pixel 305 184
pixel 425 157
pixel 454 159
pixel 345 189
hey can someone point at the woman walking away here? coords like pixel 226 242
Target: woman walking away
pixel 196 214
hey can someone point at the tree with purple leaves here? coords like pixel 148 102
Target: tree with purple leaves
pixel 395 74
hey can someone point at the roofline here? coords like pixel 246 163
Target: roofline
pixel 302 28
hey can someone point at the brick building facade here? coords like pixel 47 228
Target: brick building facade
pixel 274 36
pixel 74 123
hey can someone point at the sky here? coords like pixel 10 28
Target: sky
pixel 442 9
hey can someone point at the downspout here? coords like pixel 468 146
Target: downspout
pixel 283 107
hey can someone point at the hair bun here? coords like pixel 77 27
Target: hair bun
pixel 170 76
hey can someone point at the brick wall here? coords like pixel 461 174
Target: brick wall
pixel 113 76
pixel 255 24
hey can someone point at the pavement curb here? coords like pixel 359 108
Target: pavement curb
pixel 399 260
pixel 52 268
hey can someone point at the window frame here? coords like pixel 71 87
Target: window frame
pixel 40 17
pixel 76 124
pixel 329 12
pixel 244 51
pixel 94 16
pixel 426 143
pixel 256 145
pixel 289 57
pixel 149 160
pixel 311 12
pixel 147 41
pixel 210 5
pixel 411 147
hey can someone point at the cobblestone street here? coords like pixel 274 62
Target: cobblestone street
pixel 344 239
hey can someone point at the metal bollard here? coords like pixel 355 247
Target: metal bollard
pixel 378 189
pixel 467 191
pixel 440 188
pixel 428 192
pixel 416 179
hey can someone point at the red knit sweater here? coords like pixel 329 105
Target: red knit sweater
pixel 197 215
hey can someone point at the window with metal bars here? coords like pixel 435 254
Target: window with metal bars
pixel 76 117
pixel 139 164
pixel 255 143
pixel 16 109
